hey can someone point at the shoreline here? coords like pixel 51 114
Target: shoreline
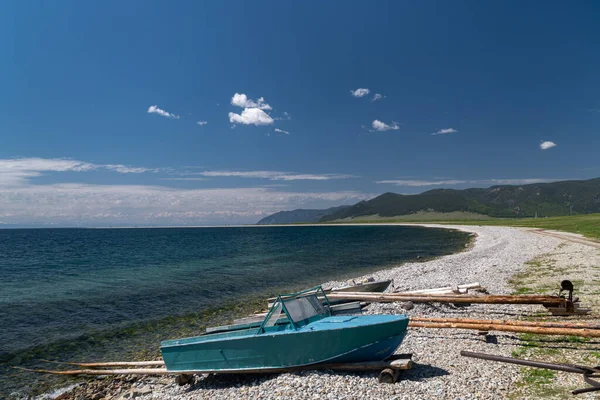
pixel 495 255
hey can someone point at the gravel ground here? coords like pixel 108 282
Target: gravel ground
pixel 439 372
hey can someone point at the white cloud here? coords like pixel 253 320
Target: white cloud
pixel 274 175
pixel 378 97
pixel 155 110
pixel 381 127
pixel 409 182
pixel 445 131
pixel 450 182
pixel 103 205
pixel 361 92
pixel 241 100
pixel 24 201
pixel 281 131
pixel 253 113
pixel 547 145
pixel 18 171
pixel 251 116
pixel 201 123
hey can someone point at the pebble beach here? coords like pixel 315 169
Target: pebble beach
pixel 495 255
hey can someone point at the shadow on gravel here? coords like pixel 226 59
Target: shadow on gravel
pixel 418 372
pixel 421 372
pixel 224 381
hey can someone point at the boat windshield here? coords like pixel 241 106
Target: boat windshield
pixel 274 315
pixel 302 310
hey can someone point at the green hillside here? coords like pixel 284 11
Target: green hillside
pixel 504 201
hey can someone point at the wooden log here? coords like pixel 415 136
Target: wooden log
pixel 508 328
pixel 112 364
pixel 456 298
pixel 448 289
pixel 388 375
pixel 127 371
pixel 541 324
pixel 399 362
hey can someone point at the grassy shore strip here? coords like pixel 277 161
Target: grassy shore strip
pixel 581 265
pixel 587 225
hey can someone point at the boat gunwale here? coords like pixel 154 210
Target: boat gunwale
pixel 303 329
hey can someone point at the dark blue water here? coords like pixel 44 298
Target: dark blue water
pixel 94 293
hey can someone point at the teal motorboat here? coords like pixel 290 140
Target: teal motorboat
pixel 311 335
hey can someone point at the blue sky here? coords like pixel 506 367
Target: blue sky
pixel 301 104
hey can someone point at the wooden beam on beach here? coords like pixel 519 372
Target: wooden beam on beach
pixel 447 289
pixel 126 371
pixel 157 363
pixel 508 328
pixel 456 298
pixel 396 362
pixel 541 324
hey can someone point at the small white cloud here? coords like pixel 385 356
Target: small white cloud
pixel 241 100
pixel 378 97
pixel 201 123
pixel 547 145
pixel 275 175
pixel 251 116
pixel 445 131
pixel 281 131
pixel 382 127
pixel 155 110
pixel 361 92
pixel 19 171
pixel 405 182
pixel 478 182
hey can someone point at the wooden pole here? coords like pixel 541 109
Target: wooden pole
pixel 397 362
pixel 463 288
pixel 541 324
pixel 508 328
pixel 112 364
pixel 457 298
pixel 130 371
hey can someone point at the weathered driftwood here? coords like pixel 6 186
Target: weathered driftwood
pixel 455 298
pixel 447 289
pixel 508 328
pixel 541 324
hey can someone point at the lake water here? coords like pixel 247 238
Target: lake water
pixel 101 294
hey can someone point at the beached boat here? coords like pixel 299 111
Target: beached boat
pixel 373 286
pixel 311 336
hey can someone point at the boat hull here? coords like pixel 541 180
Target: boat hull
pixel 333 339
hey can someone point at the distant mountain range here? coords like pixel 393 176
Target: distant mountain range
pixel 541 199
pixel 296 216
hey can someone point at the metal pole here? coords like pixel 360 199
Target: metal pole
pixel 555 367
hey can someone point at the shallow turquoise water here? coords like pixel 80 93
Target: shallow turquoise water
pixel 83 292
